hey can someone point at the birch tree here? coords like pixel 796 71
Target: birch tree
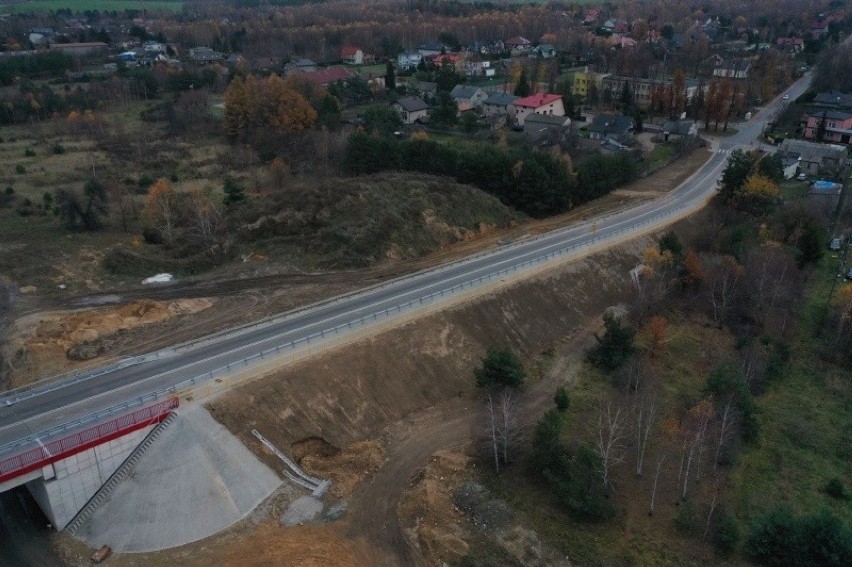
pixel 610 440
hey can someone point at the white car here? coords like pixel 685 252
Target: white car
pixel 786 97
pixel 802 177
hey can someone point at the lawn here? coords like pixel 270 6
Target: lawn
pixel 90 5
pixel 806 426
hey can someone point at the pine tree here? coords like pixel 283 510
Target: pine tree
pixel 522 88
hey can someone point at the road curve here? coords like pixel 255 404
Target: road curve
pixel 40 412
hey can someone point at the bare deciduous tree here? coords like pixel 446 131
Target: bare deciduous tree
pixel 724 275
pixel 726 416
pixel 610 440
pixel 654 489
pixel 700 417
pixel 644 423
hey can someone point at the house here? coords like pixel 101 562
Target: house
pixel 585 79
pixel 473 95
pixel 617 126
pixel 488 47
pixel 674 129
pixel 453 60
pixel 643 89
pixel 204 55
pixel 80 49
pixel 411 109
pixel 352 55
pixel 519 43
pixel 498 104
pixel 833 100
pixel 818 29
pixel 154 46
pixel 545 129
pixel 426 89
pixel 624 42
pixel 409 60
pixel 733 68
pixel 328 76
pixel 375 80
pixel 475 66
pixel 590 16
pixel 836 125
pixel 429 49
pixel 790 44
pixel 544 51
pixel 540 103
pixel 789 164
pixel 127 56
pixel 815 159
pixel 300 65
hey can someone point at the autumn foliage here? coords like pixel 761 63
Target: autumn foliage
pixel 258 103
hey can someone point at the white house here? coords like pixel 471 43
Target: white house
pixel 539 103
pixel 411 109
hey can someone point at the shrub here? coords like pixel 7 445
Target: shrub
pixel 835 489
pixel 561 399
pixel 145 181
pixel 727 535
pixel 9 190
pixel 20 169
pixel 779 538
pixel 174 178
pixel 615 347
pixel 29 152
pixel 58 149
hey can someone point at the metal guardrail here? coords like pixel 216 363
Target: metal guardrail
pixel 57 449
pixel 291 348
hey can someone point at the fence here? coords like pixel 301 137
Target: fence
pixel 269 360
pixel 52 451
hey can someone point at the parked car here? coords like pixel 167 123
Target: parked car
pixel 849 274
pixel 802 177
pixel 786 97
pixel 834 244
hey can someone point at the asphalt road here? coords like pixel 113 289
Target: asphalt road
pixel 66 404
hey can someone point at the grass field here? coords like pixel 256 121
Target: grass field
pixel 85 5
pixel 806 426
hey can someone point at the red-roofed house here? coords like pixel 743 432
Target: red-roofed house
pixel 519 43
pixel 328 76
pixel 352 55
pixel 793 44
pixel 540 103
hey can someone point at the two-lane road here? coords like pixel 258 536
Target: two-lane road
pixel 65 404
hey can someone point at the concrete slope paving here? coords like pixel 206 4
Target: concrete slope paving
pixel 194 481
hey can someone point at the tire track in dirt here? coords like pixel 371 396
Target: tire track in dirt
pixel 454 425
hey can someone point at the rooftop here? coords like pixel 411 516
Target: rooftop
pixel 537 100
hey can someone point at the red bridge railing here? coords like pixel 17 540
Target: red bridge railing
pixel 57 449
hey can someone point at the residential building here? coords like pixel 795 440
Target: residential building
pixel 325 77
pixel 411 109
pixel 790 44
pixel 674 129
pixel 408 60
pixel 545 129
pixel 616 126
pixel 204 55
pixel 815 159
pixel 643 89
pixel 433 48
pixel 474 95
pixel 544 51
pixel 540 103
pixel 836 125
pixel 300 65
pixel 352 55
pixel 498 104
pixel 835 100
pixel 733 69
pixel 584 79
pixel 519 43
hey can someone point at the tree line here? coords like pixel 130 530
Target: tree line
pixel 534 182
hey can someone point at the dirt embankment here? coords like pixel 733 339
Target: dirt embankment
pixel 412 386
pixel 49 343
